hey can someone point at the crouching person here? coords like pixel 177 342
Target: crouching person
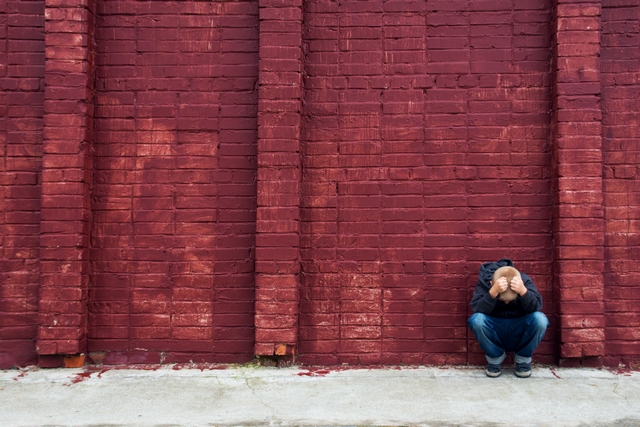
pixel 507 316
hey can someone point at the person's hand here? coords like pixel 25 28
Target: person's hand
pixel 518 286
pixel 500 286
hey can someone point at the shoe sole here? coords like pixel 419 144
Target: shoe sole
pixel 525 374
pixel 492 374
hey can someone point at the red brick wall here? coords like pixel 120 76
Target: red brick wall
pixel 22 63
pixel 425 153
pixel 209 181
pixel 66 179
pixel 577 168
pixel 174 194
pixel 621 151
pixel 278 184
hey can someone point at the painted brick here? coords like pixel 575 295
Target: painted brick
pixel 278 135
pixel 399 149
pixel 619 80
pixel 21 126
pixel 200 254
pixel 576 118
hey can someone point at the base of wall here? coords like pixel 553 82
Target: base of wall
pixel 585 362
pixel 62 361
pixel 50 361
pixel 276 361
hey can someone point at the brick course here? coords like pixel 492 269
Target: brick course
pixel 209 181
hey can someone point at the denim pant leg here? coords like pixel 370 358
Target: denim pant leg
pixel 531 330
pixel 483 327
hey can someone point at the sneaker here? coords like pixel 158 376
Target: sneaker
pixel 493 371
pixel 523 370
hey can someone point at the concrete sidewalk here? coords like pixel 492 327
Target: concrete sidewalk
pixel 255 396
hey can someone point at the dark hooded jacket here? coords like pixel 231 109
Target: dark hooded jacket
pixel 482 302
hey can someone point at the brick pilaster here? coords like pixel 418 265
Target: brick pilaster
pixel 277 225
pixel 66 171
pixel 577 144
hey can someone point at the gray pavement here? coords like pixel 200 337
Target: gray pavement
pixel 257 396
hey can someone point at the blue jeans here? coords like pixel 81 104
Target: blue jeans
pixel 496 335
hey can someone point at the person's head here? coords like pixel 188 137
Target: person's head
pixel 508 273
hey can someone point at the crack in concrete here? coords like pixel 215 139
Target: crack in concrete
pixel 246 380
pixel 615 391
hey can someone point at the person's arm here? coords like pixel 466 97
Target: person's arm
pixel 529 297
pixel 482 301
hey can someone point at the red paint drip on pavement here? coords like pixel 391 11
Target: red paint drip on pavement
pixel 314 373
pixel 81 377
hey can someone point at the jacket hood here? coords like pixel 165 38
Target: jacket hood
pixel 488 268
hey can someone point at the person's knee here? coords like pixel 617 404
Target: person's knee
pixel 539 321
pixel 477 321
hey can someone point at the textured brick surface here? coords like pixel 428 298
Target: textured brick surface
pixel 174 192
pixel 66 177
pixel 225 179
pixel 579 219
pixel 278 217
pixel 21 124
pixel 425 153
pixel 621 152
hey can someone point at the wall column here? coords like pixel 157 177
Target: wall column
pixel 278 218
pixel 66 176
pixel 577 149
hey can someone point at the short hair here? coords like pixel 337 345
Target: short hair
pixel 509 273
